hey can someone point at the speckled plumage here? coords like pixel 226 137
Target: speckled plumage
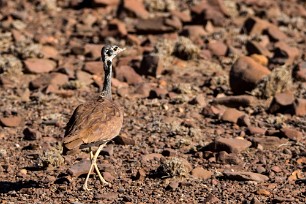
pixel 92 123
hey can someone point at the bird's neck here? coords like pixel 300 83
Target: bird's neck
pixel 107 89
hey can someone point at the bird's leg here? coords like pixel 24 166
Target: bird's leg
pixel 96 166
pixel 85 187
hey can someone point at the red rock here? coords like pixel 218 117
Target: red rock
pixel 257 48
pixel 269 142
pixel 152 156
pixel 225 158
pixel 173 185
pixel 154 25
pixel 217 48
pixel 105 2
pixel 31 134
pixel 151 65
pixel 174 22
pixel 49 52
pixel 94 67
pixel 200 99
pixel 300 71
pixel 108 176
pixel 80 168
pixel 183 16
pixel 300 107
pixel 275 33
pixel 255 131
pixel 231 115
pixel 236 101
pixel 58 79
pixel 158 92
pixel 84 77
pixel 261 59
pixel 136 7
pixel 201 173
pixel 194 32
pixel 291 134
pixel 254 26
pixel 245 74
pixel 12 121
pixel 283 53
pixel 120 26
pixel 118 84
pixel 245 176
pixel 124 140
pixel 36 66
pixel 93 50
pixel 141 174
pixel 128 74
pixel 142 90
pixel 244 120
pixel 229 145
pixel 282 103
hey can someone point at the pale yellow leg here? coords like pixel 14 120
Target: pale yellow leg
pixel 93 159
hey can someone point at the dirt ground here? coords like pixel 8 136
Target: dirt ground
pixel 213 94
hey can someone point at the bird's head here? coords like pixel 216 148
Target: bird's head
pixel 108 52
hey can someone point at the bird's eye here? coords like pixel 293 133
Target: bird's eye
pixel 109 52
pixel 115 48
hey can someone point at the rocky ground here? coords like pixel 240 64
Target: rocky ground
pixel 213 94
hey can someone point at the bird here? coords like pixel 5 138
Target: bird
pixel 97 121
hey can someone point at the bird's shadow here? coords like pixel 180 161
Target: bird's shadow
pixel 7 186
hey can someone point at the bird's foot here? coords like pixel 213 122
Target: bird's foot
pixel 85 187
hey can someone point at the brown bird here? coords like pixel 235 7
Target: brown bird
pixel 95 122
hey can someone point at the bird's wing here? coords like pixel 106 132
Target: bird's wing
pixel 91 122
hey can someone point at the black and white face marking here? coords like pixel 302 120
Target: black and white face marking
pixel 108 52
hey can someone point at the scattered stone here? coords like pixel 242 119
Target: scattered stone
pixel 269 142
pixel 108 150
pixel 136 7
pixel 257 48
pixel 225 158
pixel 291 134
pixel 173 185
pixel 300 71
pixel 31 134
pixel 217 48
pixel 12 121
pixel 261 59
pixel 229 145
pixel 152 156
pixel 282 103
pixel 49 52
pixel 94 67
pixel 245 176
pixel 151 64
pixel 201 173
pixel 251 130
pixel 263 192
pixel 80 168
pixel 254 26
pixel 245 75
pixel 232 115
pixel 84 77
pixel 93 50
pixel 36 66
pixel 108 176
pixel 244 120
pixel 194 32
pixel 141 174
pixel 127 74
pixel 300 107
pixel 284 54
pixel 154 25
pixel 275 34
pixel 200 99
pixel 124 140
pixel 236 101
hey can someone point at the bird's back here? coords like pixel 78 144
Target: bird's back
pixel 92 123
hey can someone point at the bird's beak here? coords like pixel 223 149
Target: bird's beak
pixel 121 49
